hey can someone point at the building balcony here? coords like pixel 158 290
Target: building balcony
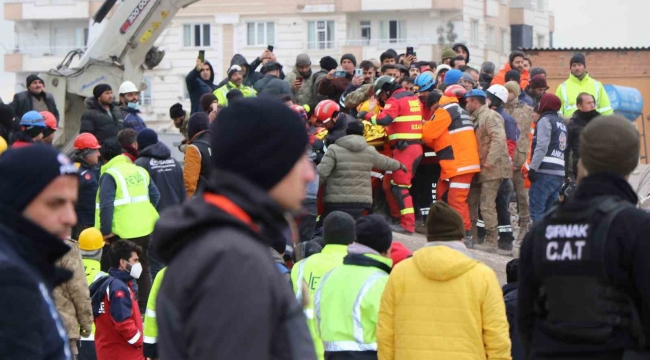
pixel 35 59
pixel 447 5
pixel 19 10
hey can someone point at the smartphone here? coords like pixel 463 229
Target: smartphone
pixel 340 74
pixel 299 79
pixel 415 54
pixel 202 55
pixel 269 48
pixel 358 72
pixel 409 50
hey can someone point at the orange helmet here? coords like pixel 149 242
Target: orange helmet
pixel 326 110
pixel 50 119
pixel 86 141
pixel 455 91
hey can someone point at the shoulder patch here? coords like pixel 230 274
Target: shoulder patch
pixel 119 294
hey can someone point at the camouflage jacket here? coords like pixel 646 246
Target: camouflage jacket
pixel 492 148
pixel 304 94
pixel 72 298
pixel 523 115
pixel 358 96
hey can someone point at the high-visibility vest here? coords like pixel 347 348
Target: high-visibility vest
pixel 150 325
pixel 222 92
pixel 569 90
pixel 133 214
pixel 347 306
pixel 93 271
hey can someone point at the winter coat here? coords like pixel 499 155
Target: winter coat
pixel 197 169
pixel 132 119
pixel 22 103
pixel 251 76
pixel 575 126
pixel 198 87
pixel 358 96
pixel 31 328
pixel 304 94
pixel 165 172
pixel 72 298
pixel 97 121
pixel 625 265
pixel 484 80
pixel 442 304
pixel 334 88
pixel 225 238
pixel 88 185
pixel 510 298
pixel 273 86
pixel 523 115
pixel 500 78
pixel 492 148
pixel 316 96
pixel 345 170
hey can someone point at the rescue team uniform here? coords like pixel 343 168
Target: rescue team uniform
pixel 150 325
pixel 569 90
pixel 311 271
pixel 355 287
pixel 93 271
pixel 426 177
pixel 402 117
pixel 451 135
pixel 85 208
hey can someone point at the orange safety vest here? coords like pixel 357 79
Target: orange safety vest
pixel 526 167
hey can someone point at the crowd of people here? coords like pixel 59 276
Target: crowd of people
pixel 274 238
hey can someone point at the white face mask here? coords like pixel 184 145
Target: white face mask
pixel 136 270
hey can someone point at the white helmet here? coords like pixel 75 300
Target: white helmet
pixel 499 91
pixel 128 87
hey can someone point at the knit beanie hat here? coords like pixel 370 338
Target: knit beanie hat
pixel 354 128
pixel 538 82
pixel 513 87
pixel 374 232
pixel 549 102
pixel 147 137
pixel 513 75
pixel 339 228
pixel 349 57
pixel 251 129
pixel 33 77
pixel 100 89
pixel 328 63
pixel 27 171
pixel 303 60
pixel 468 77
pixel 578 59
pixel 537 71
pixel 609 144
pixel 453 76
pixel 176 111
pixel 447 53
pixel 206 101
pixel 444 223
pixel 198 122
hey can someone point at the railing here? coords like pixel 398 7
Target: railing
pixel 49 2
pixel 45 51
pixel 389 42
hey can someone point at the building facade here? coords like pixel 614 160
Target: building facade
pixel 46 30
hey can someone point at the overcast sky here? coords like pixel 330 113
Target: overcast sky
pixel 601 23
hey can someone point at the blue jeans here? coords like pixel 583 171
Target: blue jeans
pixel 543 194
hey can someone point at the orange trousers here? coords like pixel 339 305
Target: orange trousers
pixel 458 188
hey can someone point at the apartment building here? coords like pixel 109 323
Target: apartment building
pixel 47 29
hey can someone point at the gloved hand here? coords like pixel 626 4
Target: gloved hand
pixel 363 115
pixel 532 175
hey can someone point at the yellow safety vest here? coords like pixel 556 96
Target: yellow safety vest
pixel 569 90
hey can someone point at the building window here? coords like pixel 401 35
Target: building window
pixel 320 34
pixel 504 2
pixel 145 95
pixel 474 30
pixel 80 37
pixel 490 37
pixel 540 41
pixel 504 42
pixel 196 35
pixel 393 31
pixel 550 39
pixel 365 32
pixel 260 33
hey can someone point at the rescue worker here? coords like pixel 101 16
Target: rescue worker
pixel 129 97
pixel 235 81
pixel 546 172
pixel 102 118
pixel 35 217
pixel 328 115
pixel 338 233
pixel 402 117
pixel 86 158
pixel 495 165
pixel 586 262
pixel 347 301
pixel 197 154
pixel 50 127
pixel 150 332
pixel 126 207
pixel 118 322
pixel 451 135
pixel 523 115
pixel 515 62
pixel 91 243
pixel 32 127
pixel 578 82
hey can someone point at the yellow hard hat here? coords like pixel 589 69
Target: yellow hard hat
pixel 91 239
pixel 3 145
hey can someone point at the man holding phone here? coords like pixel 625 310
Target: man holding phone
pixel 335 83
pixel 200 81
pixel 301 80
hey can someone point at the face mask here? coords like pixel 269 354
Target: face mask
pixel 132 105
pixel 135 271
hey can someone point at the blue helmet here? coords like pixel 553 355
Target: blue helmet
pixel 32 118
pixel 475 93
pixel 453 76
pixel 424 81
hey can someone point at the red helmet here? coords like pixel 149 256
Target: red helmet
pixel 50 119
pixel 86 141
pixel 455 91
pixel 326 110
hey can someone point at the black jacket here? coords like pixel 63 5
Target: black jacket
pixel 165 172
pixel 484 80
pixel 198 87
pixel 251 76
pixel 578 122
pixel 339 129
pixel 30 327
pixel 95 120
pixel 510 298
pixel 87 196
pixel 626 266
pixel 23 103
pixel 223 297
pixel 273 86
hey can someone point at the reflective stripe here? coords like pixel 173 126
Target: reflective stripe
pixel 459 186
pixel 462 129
pixel 373 119
pixel 505 228
pixel 597 96
pixel 309 313
pixel 126 199
pixel 430 154
pixel 348 346
pixel 135 338
pixel 317 301
pixel 424 211
pixel 376 174
pixel 388 172
pixel 89 338
pixel 150 313
pixel 565 99
pixel 405 136
pixel 408 118
pixel 471 167
pixel 150 339
pixel 606 108
pixel 301 272
pixel 407 211
pixel 553 160
pixel 356 310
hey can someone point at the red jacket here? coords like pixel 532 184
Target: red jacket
pixel 402 116
pixel 19 144
pixel 118 322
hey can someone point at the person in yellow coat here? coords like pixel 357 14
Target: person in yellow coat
pixel 442 304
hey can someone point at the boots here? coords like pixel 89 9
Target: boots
pixel 505 246
pixel 490 243
pixel 400 230
pixel 469 241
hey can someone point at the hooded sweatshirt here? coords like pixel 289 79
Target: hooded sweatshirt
pixel 197 87
pixel 165 172
pixel 465 319
pixel 251 76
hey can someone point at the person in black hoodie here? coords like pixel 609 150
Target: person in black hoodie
pixel 248 70
pixel 217 244
pixel 510 298
pixel 586 112
pixel 199 81
pixel 38 190
pixel 584 274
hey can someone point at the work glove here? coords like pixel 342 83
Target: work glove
pixel 363 115
pixel 532 175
